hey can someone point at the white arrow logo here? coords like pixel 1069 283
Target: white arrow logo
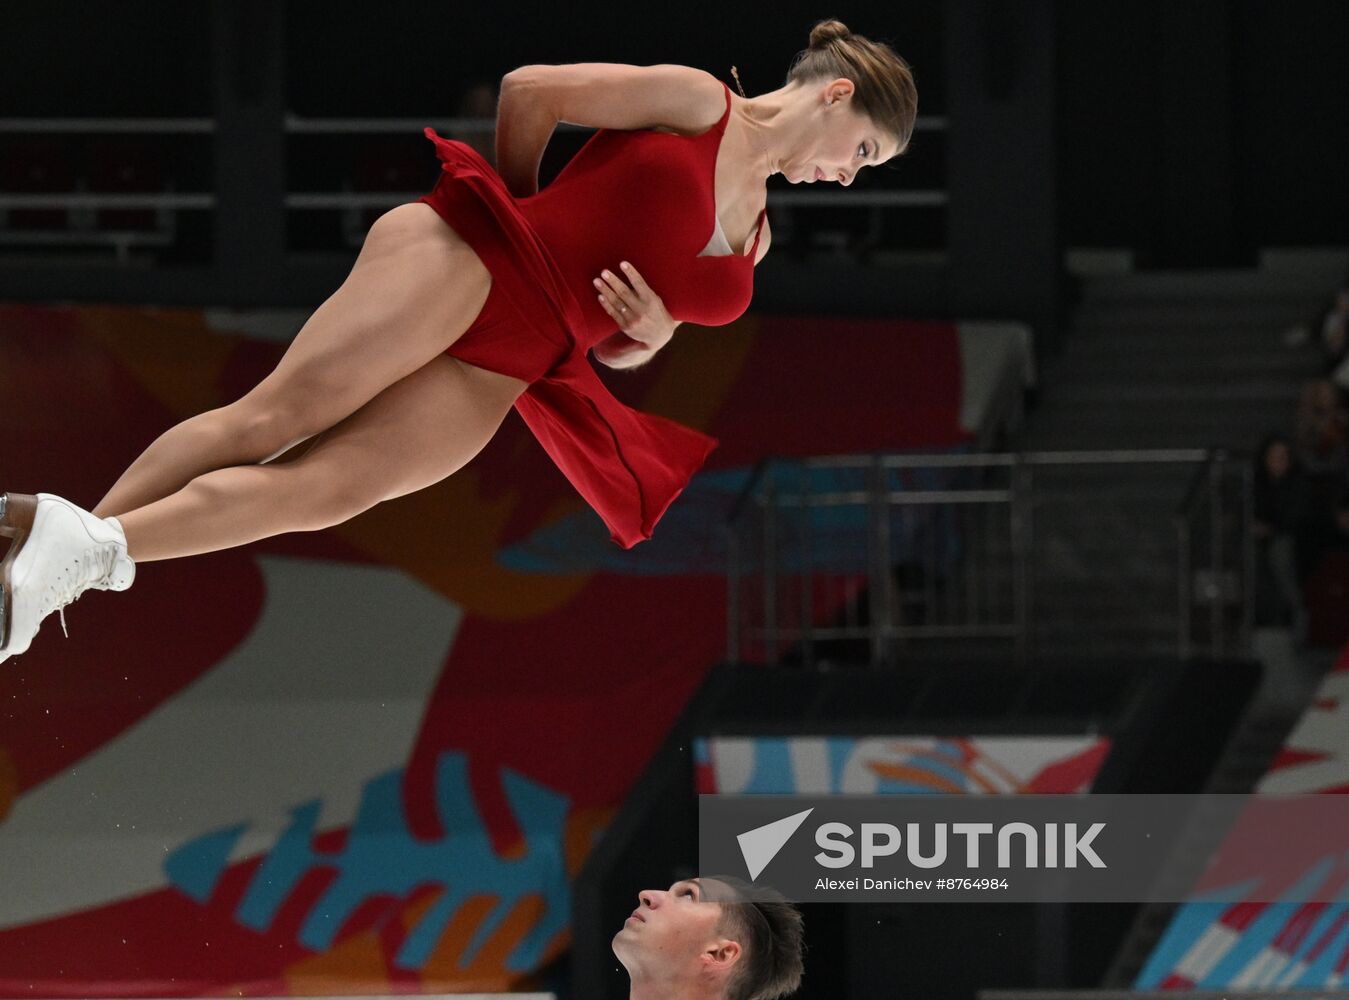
pixel 761 845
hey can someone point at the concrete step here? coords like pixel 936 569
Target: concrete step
pixel 1106 389
pixel 1105 641
pixel 1106 580
pixel 1241 319
pixel 1072 558
pixel 1246 284
pixel 1201 361
pixel 1132 552
pixel 1102 437
pixel 1143 404
pixel 1061 622
pixel 1163 431
pixel 1119 594
pixel 1087 644
pixel 1112 587
pixel 1179 334
pixel 1056 621
pixel 1106 548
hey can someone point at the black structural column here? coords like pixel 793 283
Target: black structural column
pixel 248 78
pixel 1193 209
pixel 1003 232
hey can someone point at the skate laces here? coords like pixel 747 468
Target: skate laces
pixel 94 567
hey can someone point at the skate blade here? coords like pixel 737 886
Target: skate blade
pixel 17 511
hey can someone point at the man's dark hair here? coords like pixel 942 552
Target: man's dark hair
pixel 770 932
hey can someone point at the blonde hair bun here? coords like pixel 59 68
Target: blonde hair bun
pixel 827 31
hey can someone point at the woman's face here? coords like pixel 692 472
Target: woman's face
pixel 841 142
pixel 1278 460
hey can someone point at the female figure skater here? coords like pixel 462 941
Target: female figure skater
pixel 486 294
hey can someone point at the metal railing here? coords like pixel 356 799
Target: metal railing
pixel 1215 594
pixel 168 203
pixel 874 200
pixel 80 228
pixel 154 126
pixel 858 557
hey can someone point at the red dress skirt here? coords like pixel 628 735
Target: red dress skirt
pixel 628 465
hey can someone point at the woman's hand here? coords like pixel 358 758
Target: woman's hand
pixel 638 311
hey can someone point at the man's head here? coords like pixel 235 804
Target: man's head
pixel 713 937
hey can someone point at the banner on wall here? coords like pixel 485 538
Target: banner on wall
pixel 1240 937
pixel 370 759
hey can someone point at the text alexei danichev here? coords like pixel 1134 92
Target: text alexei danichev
pixel 1045 847
pixel 902 884
pixel 873 883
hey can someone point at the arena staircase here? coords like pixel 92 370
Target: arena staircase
pixel 1153 361
pixel 1162 361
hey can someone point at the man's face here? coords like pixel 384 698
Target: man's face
pixel 673 933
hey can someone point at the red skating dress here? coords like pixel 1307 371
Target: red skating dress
pixel 640 196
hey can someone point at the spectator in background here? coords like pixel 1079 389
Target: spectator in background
pixel 1280 512
pixel 1320 429
pixel 1302 491
pixel 1321 449
pixel 1334 336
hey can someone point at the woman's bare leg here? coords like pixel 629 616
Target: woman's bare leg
pixel 414 433
pixel 414 289
pixel 184 451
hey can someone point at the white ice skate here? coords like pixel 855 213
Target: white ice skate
pixel 58 552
